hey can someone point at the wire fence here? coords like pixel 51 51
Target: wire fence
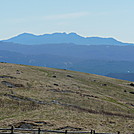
pixel 13 130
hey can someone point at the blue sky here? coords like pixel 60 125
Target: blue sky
pixel 103 18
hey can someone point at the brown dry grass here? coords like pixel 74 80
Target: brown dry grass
pixel 74 99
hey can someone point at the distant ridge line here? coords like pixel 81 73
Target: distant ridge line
pixel 31 39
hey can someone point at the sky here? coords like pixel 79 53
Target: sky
pixel 88 18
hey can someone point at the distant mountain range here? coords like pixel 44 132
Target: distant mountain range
pixel 124 76
pixel 84 52
pixel 103 56
pixel 56 38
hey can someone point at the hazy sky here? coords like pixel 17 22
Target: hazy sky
pixel 103 18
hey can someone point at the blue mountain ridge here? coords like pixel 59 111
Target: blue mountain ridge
pixel 56 38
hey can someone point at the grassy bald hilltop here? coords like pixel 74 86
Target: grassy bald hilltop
pixel 55 99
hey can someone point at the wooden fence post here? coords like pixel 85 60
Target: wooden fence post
pixel 38 130
pixel 93 131
pixel 12 128
pixel 65 131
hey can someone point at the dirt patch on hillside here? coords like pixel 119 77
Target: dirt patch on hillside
pixel 6 76
pixel 75 92
pixel 30 124
pixel 75 107
pixel 69 128
pixel 11 85
pixel 23 98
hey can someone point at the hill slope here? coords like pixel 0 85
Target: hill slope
pixel 56 99
pixel 31 39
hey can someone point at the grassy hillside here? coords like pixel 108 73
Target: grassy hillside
pixel 32 97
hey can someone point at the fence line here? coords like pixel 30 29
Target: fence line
pixel 12 131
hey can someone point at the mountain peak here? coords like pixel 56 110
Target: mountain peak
pixel 26 34
pixel 72 33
